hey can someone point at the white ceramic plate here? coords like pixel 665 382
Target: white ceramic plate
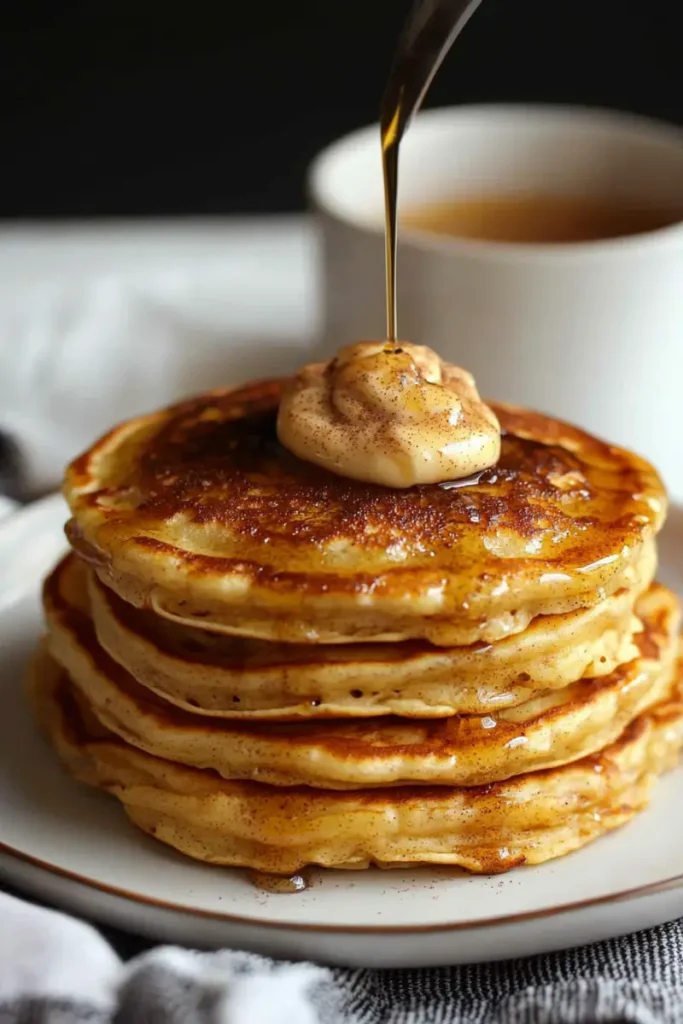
pixel 76 849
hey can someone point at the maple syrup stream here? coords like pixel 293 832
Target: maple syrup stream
pixel 429 32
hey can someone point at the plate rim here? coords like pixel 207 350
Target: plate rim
pixel 672 883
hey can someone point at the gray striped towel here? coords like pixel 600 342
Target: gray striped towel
pixel 56 970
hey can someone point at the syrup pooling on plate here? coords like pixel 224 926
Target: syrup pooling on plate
pixel 280 885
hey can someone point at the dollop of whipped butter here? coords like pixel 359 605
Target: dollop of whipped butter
pixel 389 413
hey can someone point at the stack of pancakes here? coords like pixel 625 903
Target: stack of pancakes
pixel 272 666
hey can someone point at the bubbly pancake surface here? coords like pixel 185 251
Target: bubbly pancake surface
pixel 198 512
pixel 234 677
pixel 531 818
pixel 550 729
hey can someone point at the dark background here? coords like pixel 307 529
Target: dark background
pixel 144 107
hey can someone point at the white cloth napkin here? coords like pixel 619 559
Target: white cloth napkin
pixel 75 361
pixel 54 968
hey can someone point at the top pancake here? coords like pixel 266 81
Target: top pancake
pixel 198 512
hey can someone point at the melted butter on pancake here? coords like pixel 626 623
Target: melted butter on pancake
pixel 389 414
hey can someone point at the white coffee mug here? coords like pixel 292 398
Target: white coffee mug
pixel 591 332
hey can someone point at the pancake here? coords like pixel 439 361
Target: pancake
pixel 199 513
pixel 529 819
pixel 241 678
pixel 551 729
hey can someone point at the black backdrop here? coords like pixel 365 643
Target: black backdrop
pixel 154 107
